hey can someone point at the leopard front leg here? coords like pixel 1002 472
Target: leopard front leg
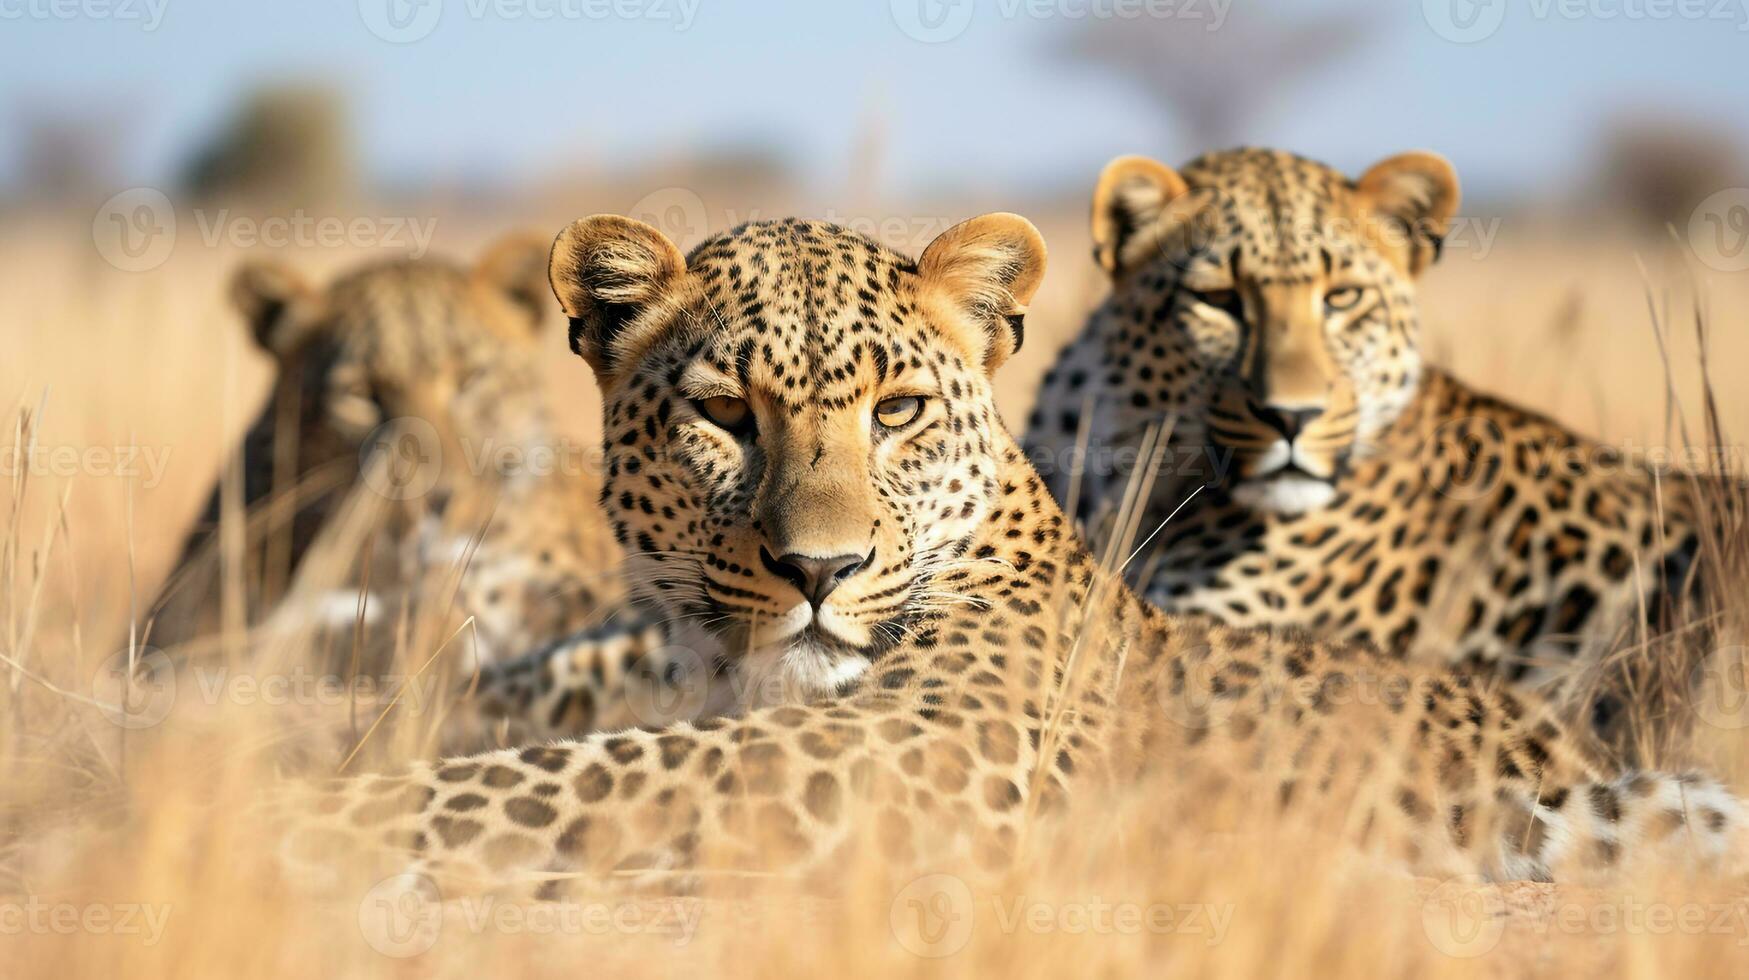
pixel 780 790
pixel 628 673
pixel 1441 772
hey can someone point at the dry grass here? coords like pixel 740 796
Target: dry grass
pixel 98 822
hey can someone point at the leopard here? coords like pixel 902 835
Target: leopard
pixel 408 424
pixel 805 462
pixel 1314 472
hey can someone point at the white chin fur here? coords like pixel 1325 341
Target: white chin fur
pixel 1285 495
pixel 783 667
pixel 776 632
pixel 798 670
pixel 1279 454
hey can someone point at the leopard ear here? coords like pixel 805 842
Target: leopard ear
pixel 987 269
pixel 1131 197
pixel 516 266
pixel 1416 194
pixel 276 301
pixel 608 273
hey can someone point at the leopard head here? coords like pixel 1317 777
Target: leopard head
pixel 800 432
pixel 1263 305
pixel 445 351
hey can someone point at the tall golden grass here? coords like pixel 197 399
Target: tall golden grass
pixel 130 851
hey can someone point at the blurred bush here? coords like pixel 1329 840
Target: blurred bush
pixel 285 145
pixel 1215 83
pixel 1656 169
pixel 68 152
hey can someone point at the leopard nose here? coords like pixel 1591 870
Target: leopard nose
pixel 815 578
pixel 1290 422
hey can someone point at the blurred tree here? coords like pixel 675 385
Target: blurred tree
pixel 1656 168
pixel 285 144
pixel 1214 82
pixel 65 153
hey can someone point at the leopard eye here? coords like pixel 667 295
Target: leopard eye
pixel 355 409
pixel 1343 299
pixel 726 413
pixel 896 413
pixel 1225 300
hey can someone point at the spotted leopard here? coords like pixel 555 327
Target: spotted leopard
pixel 805 461
pixel 1317 474
pixel 403 430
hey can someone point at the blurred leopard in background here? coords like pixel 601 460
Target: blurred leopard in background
pixel 401 387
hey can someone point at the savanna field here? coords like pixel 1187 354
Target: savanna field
pixel 126 848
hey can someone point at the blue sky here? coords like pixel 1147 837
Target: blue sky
pixel 490 94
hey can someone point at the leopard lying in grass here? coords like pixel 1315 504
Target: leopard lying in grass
pixel 1318 474
pixel 401 387
pixel 805 462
